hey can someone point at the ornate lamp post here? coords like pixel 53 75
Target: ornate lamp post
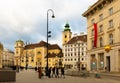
pixel 48 32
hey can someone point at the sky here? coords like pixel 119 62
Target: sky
pixel 27 20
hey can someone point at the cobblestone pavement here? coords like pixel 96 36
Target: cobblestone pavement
pixel 31 76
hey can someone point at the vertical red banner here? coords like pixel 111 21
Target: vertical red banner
pixel 95 34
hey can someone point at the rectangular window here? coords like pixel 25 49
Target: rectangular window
pixel 110 23
pixel 100 28
pixel 101 16
pixel 92 21
pixel 111 11
pixel 92 32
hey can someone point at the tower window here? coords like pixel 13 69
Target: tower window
pixel 65 36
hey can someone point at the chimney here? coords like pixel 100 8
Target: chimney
pixel 75 34
pixel 82 33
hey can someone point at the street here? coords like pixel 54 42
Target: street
pixel 30 76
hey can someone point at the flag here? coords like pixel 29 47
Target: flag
pixel 95 34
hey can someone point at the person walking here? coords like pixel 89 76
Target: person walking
pixel 49 72
pixel 53 71
pixel 62 72
pixel 57 73
pixel 39 72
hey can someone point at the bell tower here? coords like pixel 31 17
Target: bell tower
pixel 66 34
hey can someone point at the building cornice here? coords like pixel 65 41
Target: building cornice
pixel 92 7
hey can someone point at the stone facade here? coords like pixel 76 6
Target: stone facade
pixel 106 14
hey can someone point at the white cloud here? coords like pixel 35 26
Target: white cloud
pixel 24 18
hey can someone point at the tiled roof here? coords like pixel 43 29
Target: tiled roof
pixel 40 44
pixel 78 38
pixel 54 46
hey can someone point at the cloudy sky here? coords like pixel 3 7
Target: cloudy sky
pixel 26 19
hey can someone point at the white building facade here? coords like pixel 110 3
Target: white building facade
pixel 75 53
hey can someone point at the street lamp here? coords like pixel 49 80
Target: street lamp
pixel 48 32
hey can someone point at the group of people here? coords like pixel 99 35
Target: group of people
pixel 52 72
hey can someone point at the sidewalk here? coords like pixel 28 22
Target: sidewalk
pixel 111 73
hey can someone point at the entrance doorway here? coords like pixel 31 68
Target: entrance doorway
pixel 108 63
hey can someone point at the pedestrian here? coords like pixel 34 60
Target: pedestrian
pixel 35 68
pixel 53 71
pixel 62 72
pixel 57 73
pixel 49 72
pixel 39 72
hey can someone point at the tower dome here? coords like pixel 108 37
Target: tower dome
pixel 67 27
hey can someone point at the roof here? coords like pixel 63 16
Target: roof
pixel 78 38
pixel 40 44
pixel 54 46
pixel 67 27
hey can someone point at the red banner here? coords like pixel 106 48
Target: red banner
pixel 95 34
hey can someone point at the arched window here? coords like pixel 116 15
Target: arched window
pixel 111 39
pixel 65 36
pixel 101 42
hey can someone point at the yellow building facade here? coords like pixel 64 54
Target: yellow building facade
pixel 34 55
pixel 1 51
pixel 106 14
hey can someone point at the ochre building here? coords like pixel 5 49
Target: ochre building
pixel 103 28
pixel 1 53
pixel 34 55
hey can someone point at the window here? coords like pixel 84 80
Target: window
pixel 111 39
pixel 82 59
pixel 74 54
pixel 110 11
pixel 75 59
pixel 92 21
pixel 100 28
pixel 32 60
pixel 82 53
pixel 92 32
pixel 65 36
pixel 65 59
pixel 101 16
pixel 110 23
pixel 101 43
pixel 92 43
pixel 38 52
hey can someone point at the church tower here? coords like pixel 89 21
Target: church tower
pixel 19 47
pixel 66 34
